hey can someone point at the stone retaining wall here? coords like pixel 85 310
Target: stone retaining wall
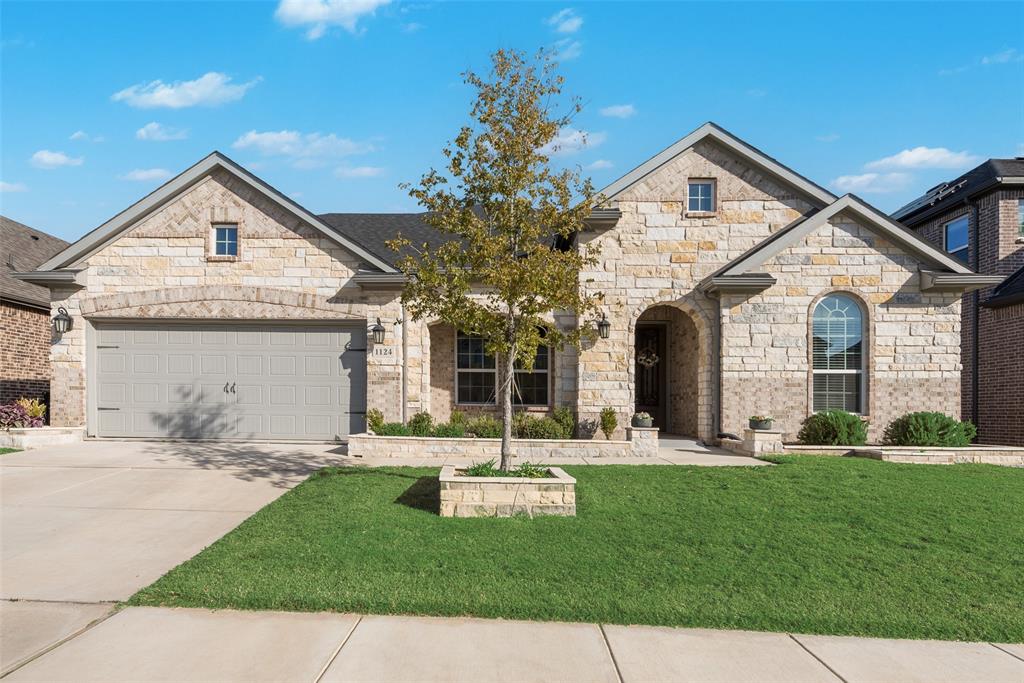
pixel 463 496
pixel 641 443
pixel 991 455
pixel 38 437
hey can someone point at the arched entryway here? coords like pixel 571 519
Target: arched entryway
pixel 672 369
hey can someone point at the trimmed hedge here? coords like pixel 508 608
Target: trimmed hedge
pixel 928 429
pixel 833 428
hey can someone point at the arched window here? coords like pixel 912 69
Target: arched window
pixel 837 336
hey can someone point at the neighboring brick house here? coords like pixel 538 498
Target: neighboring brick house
pixel 979 217
pixel 24 313
pixel 217 307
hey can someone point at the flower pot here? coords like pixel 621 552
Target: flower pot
pixel 761 424
pixel 643 421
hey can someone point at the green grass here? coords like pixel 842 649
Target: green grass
pixel 813 545
pixel 5 451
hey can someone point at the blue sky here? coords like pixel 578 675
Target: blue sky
pixel 336 103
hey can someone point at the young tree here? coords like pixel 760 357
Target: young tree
pixel 510 218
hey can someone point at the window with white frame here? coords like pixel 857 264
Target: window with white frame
pixel 837 337
pixel 476 375
pixel 956 237
pixel 225 239
pixel 701 196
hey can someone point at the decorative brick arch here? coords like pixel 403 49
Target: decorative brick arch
pixel 696 311
pixel 219 302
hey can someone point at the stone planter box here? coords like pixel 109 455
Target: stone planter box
pixel 463 496
pixel 27 438
pixel 1012 456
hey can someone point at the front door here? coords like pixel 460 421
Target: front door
pixel 651 394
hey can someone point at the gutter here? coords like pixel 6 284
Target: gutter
pixel 51 278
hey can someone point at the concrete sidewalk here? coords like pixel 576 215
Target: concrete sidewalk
pixel 156 644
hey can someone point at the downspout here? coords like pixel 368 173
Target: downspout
pixel 716 365
pixel 405 367
pixel 976 299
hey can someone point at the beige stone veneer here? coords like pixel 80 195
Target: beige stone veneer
pixel 463 496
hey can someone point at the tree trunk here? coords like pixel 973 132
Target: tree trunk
pixel 506 412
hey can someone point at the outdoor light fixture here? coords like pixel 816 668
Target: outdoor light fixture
pixel 62 321
pixel 378 332
pixel 604 328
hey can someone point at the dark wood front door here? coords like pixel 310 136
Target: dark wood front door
pixel 651 394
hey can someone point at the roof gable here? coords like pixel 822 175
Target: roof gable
pixel 113 228
pixel 711 131
pixel 849 205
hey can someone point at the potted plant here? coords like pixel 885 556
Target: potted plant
pixel 761 422
pixel 643 420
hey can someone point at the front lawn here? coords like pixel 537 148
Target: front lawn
pixel 813 545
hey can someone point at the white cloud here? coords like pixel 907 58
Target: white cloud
pixel 953 71
pixel 146 174
pixel 321 14
pixel 567 49
pixel 209 90
pixel 566 21
pixel 13 187
pixel 828 137
pixel 924 157
pixel 873 183
pixel 79 135
pixel 599 165
pixel 157 132
pixel 306 149
pixel 619 111
pixel 44 158
pixel 1004 57
pixel 358 171
pixel 571 141
pixel 412 27
pixel 756 92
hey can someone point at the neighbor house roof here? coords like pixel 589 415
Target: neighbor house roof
pixel 714 132
pixel 948 273
pixel 374 230
pixel 138 211
pixel 24 248
pixel 949 195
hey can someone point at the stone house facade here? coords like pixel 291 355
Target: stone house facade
pixel 24 314
pixel 218 308
pixel 979 216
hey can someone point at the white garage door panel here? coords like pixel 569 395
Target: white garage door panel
pixel 230 381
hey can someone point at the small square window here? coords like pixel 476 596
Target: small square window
pixel 701 196
pixel 225 239
pixel 956 238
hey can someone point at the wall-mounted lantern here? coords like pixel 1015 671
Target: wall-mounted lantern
pixel 62 321
pixel 604 328
pixel 378 331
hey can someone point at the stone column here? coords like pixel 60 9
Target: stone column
pixel 643 441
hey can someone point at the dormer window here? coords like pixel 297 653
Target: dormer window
pixel 225 239
pixel 700 196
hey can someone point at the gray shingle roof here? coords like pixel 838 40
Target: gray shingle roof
pixel 944 196
pixel 22 249
pixel 373 230
pixel 1009 291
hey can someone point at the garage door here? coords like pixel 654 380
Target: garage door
pixel 236 381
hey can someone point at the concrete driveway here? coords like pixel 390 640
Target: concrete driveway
pixel 85 525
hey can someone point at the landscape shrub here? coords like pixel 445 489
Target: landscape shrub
pixel 450 430
pixel 529 427
pixel 564 416
pixel 928 429
pixel 609 421
pixel 458 418
pixel 393 429
pixel 374 420
pixel 34 408
pixel 490 469
pixel 485 427
pixel 14 415
pixel 833 428
pixel 421 424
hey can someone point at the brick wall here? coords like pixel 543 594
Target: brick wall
pixel 24 352
pixel 996 248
